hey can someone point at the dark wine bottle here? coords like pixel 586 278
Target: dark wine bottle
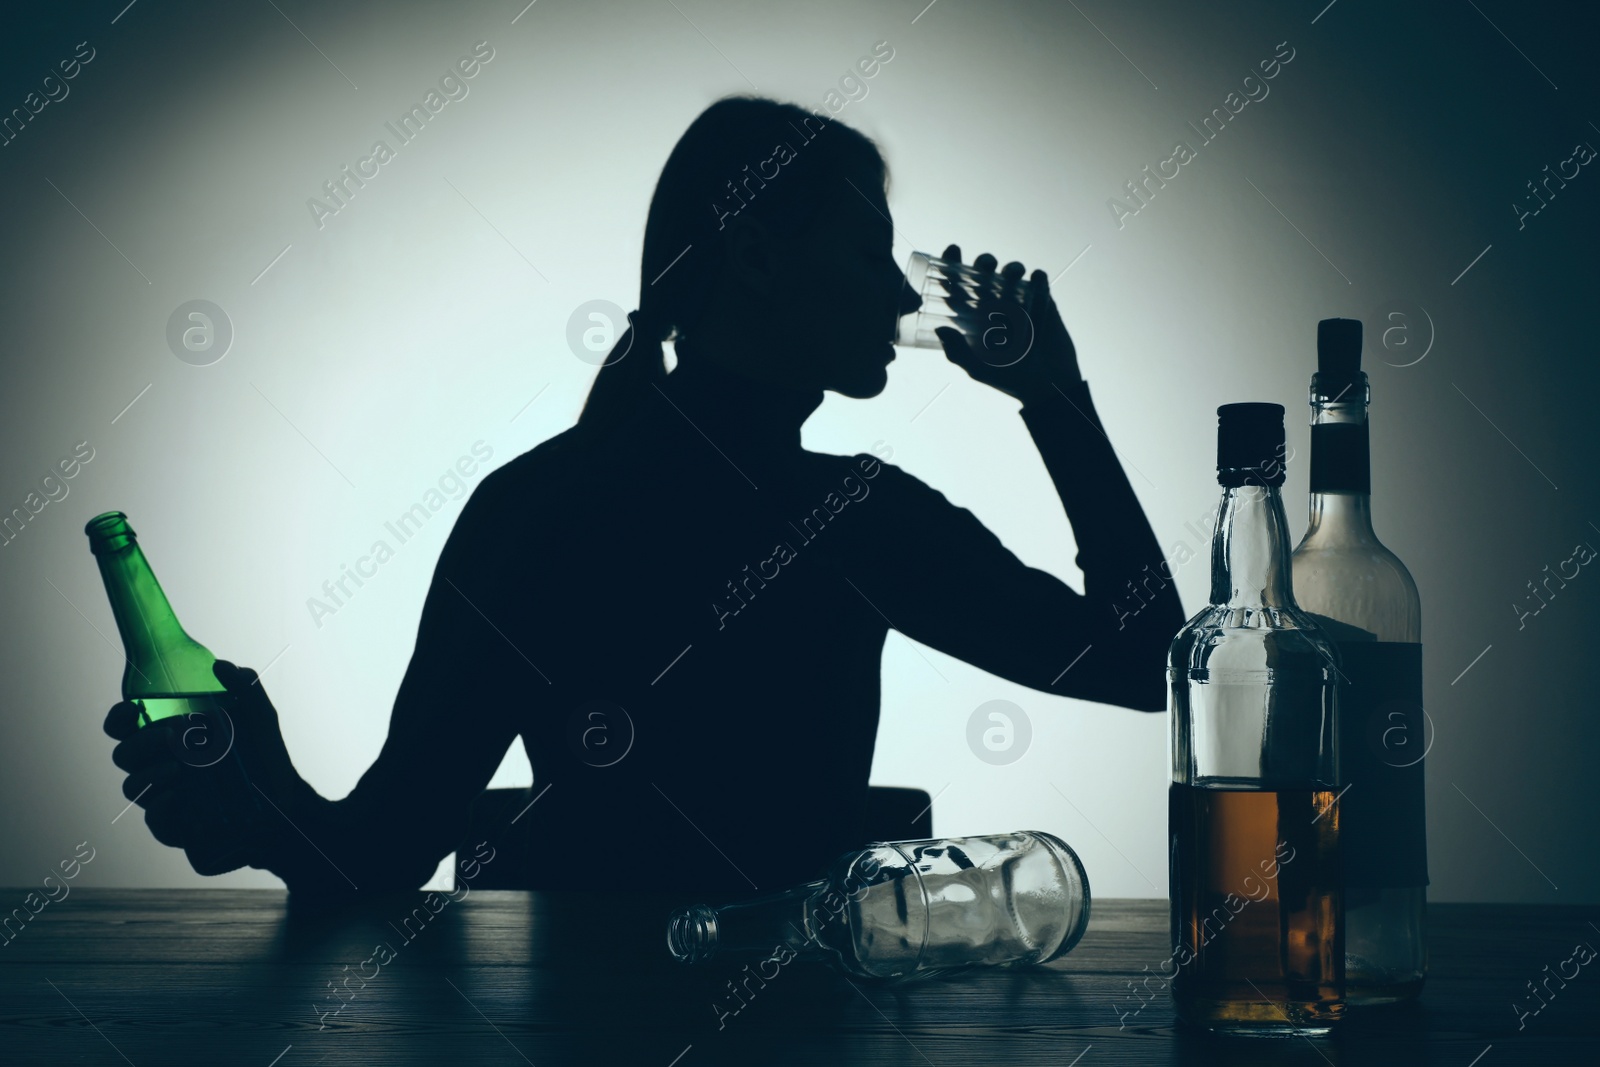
pixel 1343 573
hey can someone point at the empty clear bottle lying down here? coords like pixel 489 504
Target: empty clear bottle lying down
pixel 901 908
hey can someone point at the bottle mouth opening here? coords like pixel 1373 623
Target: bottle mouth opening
pixel 692 934
pixel 108 531
pixel 104 520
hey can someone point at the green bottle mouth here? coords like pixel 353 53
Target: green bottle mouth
pixel 108 532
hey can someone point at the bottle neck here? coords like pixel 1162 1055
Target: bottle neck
pixel 1341 478
pixel 1250 550
pixel 753 929
pixel 1340 454
pixel 145 619
pixel 162 659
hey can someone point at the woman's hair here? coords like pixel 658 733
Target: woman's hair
pixel 744 155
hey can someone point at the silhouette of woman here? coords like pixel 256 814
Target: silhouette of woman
pixel 680 610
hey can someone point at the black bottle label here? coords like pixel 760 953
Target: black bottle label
pixel 1340 460
pixel 1383 736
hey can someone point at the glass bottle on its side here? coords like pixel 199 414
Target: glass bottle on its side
pixel 1344 574
pixel 1253 815
pixel 901 908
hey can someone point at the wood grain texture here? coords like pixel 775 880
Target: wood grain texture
pixel 505 977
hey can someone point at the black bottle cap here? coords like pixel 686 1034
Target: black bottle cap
pixel 1339 375
pixel 1250 444
pixel 1339 347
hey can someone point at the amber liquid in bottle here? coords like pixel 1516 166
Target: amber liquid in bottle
pixel 1257 879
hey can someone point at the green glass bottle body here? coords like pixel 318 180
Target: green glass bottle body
pixel 168 673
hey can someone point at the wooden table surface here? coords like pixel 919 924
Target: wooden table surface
pixel 235 977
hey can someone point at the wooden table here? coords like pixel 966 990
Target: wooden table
pixel 236 977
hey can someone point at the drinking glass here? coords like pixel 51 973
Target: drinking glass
pixel 993 312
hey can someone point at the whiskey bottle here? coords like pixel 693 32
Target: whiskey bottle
pixel 1253 814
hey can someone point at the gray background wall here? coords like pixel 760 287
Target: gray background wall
pixel 432 313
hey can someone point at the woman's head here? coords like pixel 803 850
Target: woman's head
pixel 767 249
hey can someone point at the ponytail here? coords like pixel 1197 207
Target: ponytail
pixel 626 377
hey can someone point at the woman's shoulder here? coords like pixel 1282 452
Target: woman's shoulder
pixel 567 453
pixel 528 480
pixel 860 473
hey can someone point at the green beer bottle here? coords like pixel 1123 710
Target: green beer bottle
pixel 169 672
pixel 169 675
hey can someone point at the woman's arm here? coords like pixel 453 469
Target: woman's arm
pixel 944 579
pixel 1132 601
pixel 451 725
pixel 960 590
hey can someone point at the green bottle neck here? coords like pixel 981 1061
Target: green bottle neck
pixel 163 660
